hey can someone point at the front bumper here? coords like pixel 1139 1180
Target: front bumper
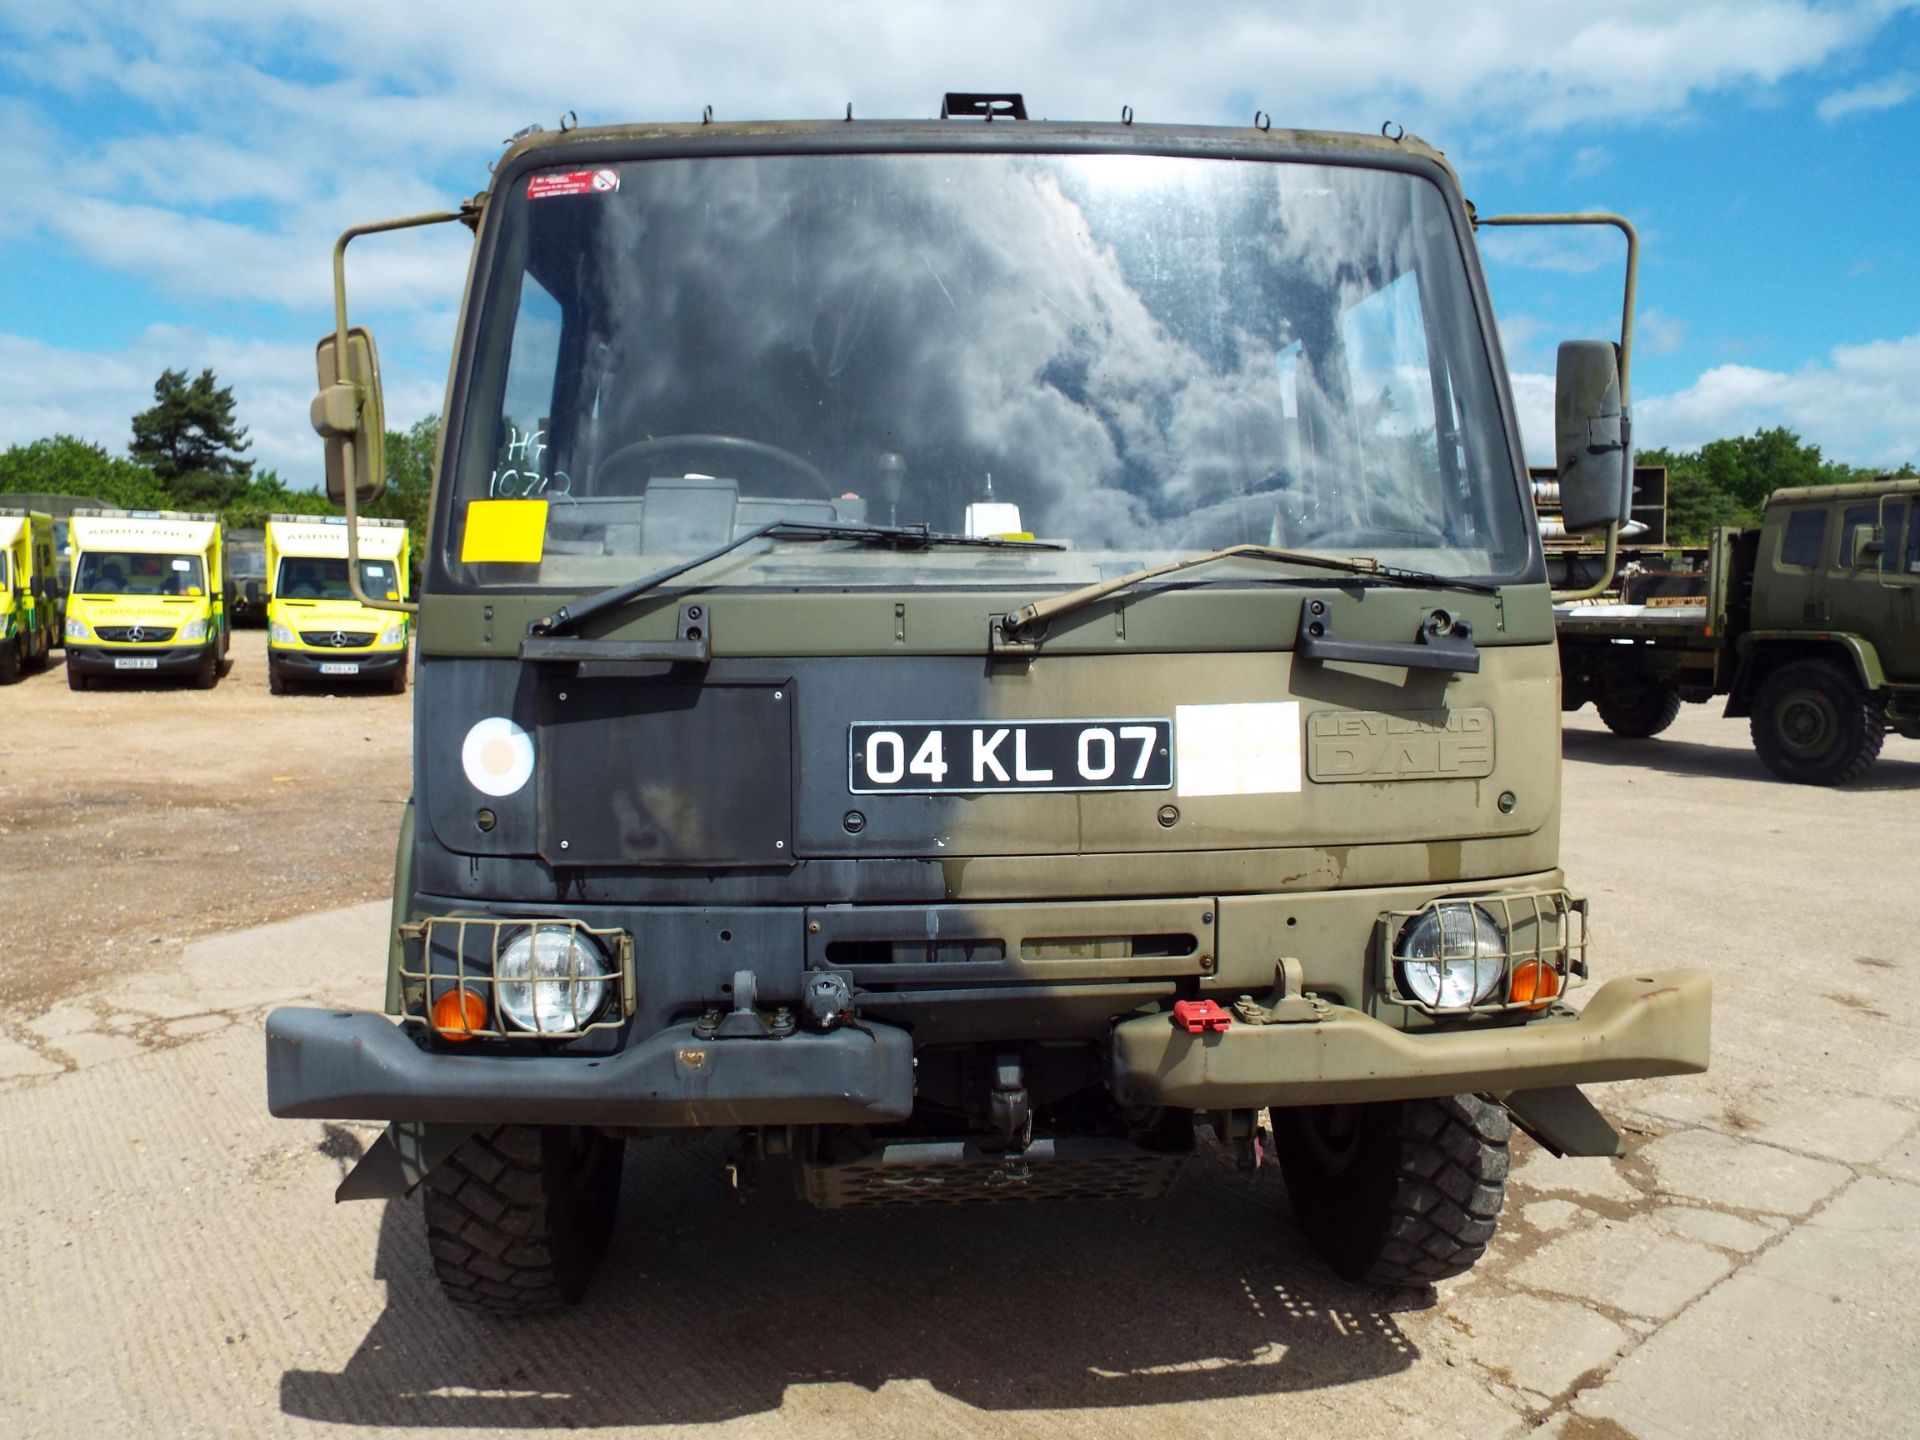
pixel 168 659
pixel 1655 1024
pixel 355 1065
pixel 305 663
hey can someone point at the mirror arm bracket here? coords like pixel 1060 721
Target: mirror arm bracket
pixel 336 408
pixel 1610 559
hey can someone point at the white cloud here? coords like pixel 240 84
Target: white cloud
pixel 1860 405
pixel 1882 94
pixel 1659 332
pixel 1533 404
pixel 94 394
pixel 1567 249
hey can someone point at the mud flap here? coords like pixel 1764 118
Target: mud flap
pixel 1564 1121
pixel 399 1160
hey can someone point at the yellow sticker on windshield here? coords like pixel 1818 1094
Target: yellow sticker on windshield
pixel 508 532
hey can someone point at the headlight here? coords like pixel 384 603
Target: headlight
pixel 1452 956
pixel 77 630
pixel 193 630
pixel 283 634
pixel 552 980
pixel 393 634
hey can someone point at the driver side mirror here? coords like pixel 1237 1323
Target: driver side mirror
pixel 1592 436
pixel 348 412
pixel 1867 542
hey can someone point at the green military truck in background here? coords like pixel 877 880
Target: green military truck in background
pixel 1808 623
pixel 963 654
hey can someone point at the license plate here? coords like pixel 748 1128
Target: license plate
pixel 135 662
pixel 339 667
pixel 903 757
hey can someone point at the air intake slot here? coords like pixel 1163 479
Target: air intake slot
pixel 1109 947
pixel 915 952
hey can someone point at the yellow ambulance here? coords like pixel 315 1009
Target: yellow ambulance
pixel 27 592
pixel 316 630
pixel 147 597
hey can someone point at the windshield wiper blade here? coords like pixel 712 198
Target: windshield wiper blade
pixel 1027 617
pixel 567 617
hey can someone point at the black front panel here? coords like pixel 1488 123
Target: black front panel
pixel 664 772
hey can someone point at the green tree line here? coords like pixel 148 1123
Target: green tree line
pixel 1725 482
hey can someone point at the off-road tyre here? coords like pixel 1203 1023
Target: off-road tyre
pixel 518 1217
pixel 1638 712
pixel 1813 724
pixel 1403 1192
pixel 75 680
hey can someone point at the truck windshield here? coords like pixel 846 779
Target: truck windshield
pixel 138 572
pixel 1140 358
pixel 321 579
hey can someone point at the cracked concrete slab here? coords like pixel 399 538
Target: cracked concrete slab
pixel 1535 1343
pixel 1816 1338
pixel 19 1062
pixel 1713 1227
pixel 1741 1174
pixel 1632 1266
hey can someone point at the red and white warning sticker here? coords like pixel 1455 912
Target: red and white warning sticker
pixel 572 182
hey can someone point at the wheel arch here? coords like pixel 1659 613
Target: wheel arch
pixel 1763 653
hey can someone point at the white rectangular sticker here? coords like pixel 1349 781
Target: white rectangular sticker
pixel 1238 749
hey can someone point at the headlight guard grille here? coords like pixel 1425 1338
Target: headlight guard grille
pixel 1547 928
pixel 461 954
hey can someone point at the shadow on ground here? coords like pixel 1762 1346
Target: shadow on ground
pixel 1685 757
pixel 711 1306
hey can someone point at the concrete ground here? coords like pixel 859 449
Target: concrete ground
pixel 173 1264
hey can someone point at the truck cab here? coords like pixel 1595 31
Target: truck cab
pixel 28 592
pixel 147 597
pixel 965 656
pixel 1828 660
pixel 316 629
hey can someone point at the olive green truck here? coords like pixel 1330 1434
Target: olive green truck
pixel 962 655
pixel 1808 623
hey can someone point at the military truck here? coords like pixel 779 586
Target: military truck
pixel 1808 623
pixel 965 655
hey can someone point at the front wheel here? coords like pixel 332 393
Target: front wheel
pixel 1403 1192
pixel 1814 725
pixel 75 680
pixel 1637 711
pixel 518 1217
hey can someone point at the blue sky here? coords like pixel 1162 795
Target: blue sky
pixel 177 171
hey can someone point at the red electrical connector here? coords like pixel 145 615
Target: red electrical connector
pixel 1197 1017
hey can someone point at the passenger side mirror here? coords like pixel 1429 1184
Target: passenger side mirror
pixel 348 412
pixel 1592 436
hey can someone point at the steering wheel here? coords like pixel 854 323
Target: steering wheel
pixel 731 446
